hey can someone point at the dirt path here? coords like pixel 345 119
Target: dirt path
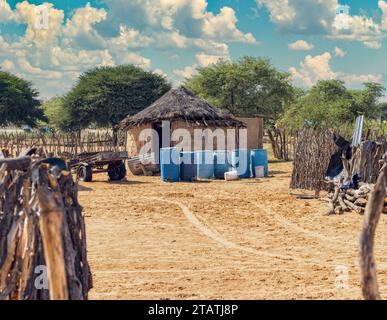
pixel 241 240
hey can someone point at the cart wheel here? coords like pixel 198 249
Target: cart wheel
pixel 117 171
pixel 85 173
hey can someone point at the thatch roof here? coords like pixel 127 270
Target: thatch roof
pixel 181 105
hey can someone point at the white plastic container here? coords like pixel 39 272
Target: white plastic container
pixel 259 172
pixel 231 176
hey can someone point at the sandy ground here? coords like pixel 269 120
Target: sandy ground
pixel 250 239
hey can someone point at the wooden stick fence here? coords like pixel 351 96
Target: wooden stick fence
pixel 42 230
pixel 283 143
pixel 66 145
pixel 313 151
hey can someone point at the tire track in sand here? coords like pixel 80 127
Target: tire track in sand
pixel 211 233
pixel 288 224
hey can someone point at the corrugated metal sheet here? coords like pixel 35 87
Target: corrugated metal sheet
pixel 358 131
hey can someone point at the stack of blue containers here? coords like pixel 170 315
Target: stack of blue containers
pixel 221 164
pixel 259 158
pixel 241 163
pixel 188 169
pixel 205 164
pixel 170 164
pixel 186 166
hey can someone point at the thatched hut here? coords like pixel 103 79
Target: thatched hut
pixel 178 109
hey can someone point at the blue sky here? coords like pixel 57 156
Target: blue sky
pixel 53 44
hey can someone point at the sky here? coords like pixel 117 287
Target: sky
pixel 51 43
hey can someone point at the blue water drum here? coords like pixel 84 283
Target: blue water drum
pixel 259 158
pixel 205 164
pixel 170 164
pixel 221 163
pixel 188 167
pixel 240 161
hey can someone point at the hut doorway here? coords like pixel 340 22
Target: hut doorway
pixel 163 138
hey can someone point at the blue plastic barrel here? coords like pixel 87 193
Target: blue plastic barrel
pixel 259 158
pixel 170 164
pixel 205 164
pixel 221 164
pixel 241 163
pixel 188 167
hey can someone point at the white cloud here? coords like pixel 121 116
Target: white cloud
pixel 26 67
pixel 319 17
pixel 315 68
pixel 281 11
pixel 171 39
pixel 188 18
pixel 358 79
pixel 6 13
pixel 131 38
pixel 301 17
pixel 186 72
pixel 383 7
pixel 7 65
pixel 373 44
pixel 223 26
pixel 301 45
pixel 206 60
pixel 211 47
pixel 133 58
pixel 42 38
pixel 340 52
pixel 160 72
pixel 80 31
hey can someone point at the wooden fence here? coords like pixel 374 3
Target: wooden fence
pixel 67 145
pixel 314 149
pixel 284 141
pixel 43 253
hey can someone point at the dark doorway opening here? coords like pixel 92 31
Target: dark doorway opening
pixel 158 127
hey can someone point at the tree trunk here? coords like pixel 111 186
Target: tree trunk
pixel 373 212
pixel 273 144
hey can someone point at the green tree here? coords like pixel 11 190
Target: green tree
pixel 329 104
pixel 106 95
pixel 367 100
pixel 247 87
pixel 383 108
pixel 57 115
pixel 19 103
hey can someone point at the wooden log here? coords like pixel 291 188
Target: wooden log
pixel 332 204
pixel 50 225
pixel 21 164
pixel 339 210
pixel 361 202
pixel 5 268
pixel 354 207
pixel 373 212
pixel 342 202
